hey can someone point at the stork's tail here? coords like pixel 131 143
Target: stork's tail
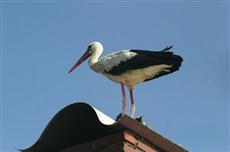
pixel 167 48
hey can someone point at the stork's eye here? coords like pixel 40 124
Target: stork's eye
pixel 90 46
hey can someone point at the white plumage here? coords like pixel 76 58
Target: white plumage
pixel 106 63
pixel 132 77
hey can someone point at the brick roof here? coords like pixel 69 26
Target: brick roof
pixel 79 126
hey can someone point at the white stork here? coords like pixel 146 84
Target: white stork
pixel 129 67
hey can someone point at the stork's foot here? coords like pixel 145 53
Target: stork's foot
pixel 140 119
pixel 119 116
pixel 133 115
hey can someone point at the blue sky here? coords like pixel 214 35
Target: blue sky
pixel 40 41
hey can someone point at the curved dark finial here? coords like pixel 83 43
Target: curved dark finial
pixel 74 124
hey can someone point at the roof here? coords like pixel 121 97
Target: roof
pixel 80 123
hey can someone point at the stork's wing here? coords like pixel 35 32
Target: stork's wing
pixel 114 59
pixel 143 59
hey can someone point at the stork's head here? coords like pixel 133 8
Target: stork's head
pixel 95 49
pixel 95 46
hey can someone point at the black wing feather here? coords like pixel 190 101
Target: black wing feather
pixel 167 48
pixel 149 58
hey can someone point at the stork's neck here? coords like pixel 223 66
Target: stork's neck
pixel 95 57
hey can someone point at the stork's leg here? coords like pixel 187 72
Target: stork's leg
pixel 133 108
pixel 123 99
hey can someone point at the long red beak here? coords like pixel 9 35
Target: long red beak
pixel 82 59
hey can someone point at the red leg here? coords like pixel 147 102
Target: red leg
pixel 123 99
pixel 132 109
